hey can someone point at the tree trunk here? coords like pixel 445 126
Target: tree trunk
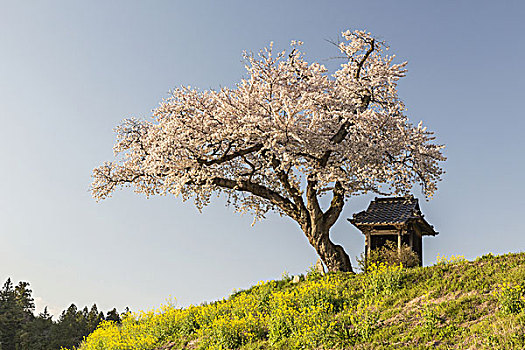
pixel 331 254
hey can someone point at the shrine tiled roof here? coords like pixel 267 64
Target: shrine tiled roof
pixel 389 211
pixel 393 211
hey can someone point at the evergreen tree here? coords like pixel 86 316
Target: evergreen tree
pixel 71 327
pixel 40 333
pixel 11 317
pixel 113 316
pixel 25 306
pixel 24 298
pixel 94 318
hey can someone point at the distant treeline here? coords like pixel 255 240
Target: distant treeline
pixel 21 329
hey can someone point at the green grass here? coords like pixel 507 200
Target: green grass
pixel 455 304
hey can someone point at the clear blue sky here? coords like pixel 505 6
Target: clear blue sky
pixel 71 70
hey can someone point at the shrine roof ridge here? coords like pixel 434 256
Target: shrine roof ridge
pixel 392 211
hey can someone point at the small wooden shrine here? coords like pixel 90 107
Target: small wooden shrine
pixel 395 219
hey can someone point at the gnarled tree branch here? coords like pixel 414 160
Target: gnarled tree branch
pixel 336 206
pixel 275 198
pixel 227 157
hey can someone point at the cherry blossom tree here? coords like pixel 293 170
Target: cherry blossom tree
pixel 286 135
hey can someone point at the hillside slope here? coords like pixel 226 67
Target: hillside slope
pixel 453 304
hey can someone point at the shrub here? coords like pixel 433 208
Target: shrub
pixel 232 332
pixel 109 336
pixel 313 274
pixel 511 297
pixel 454 259
pixel 389 255
pixel 485 257
pixel 429 317
pixel 383 278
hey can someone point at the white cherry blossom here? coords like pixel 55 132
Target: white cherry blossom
pixel 286 135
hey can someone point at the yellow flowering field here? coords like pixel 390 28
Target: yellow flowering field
pixel 453 304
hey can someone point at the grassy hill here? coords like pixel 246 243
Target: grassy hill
pixel 453 304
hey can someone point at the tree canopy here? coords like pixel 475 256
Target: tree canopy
pixel 286 135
